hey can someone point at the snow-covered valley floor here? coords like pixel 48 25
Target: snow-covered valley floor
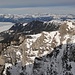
pixel 5 26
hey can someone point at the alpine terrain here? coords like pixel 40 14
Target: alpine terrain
pixel 38 48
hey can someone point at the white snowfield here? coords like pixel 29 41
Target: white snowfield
pixel 5 26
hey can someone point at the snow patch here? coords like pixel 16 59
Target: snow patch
pixel 24 24
pixel 70 25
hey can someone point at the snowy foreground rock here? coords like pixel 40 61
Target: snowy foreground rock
pixel 43 53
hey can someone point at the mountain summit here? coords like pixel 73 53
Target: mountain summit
pixel 39 48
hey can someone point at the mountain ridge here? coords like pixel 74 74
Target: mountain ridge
pixel 44 53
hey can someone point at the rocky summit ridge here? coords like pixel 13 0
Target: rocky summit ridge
pixel 39 48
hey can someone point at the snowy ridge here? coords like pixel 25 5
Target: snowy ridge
pixel 45 53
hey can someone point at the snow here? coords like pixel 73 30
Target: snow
pixel 5 26
pixel 49 36
pixel 32 58
pixel 18 53
pixel 57 37
pixel 72 39
pixel 56 21
pixel 45 53
pixel 35 52
pixel 33 39
pixel 70 25
pixel 24 24
pixel 5 23
pixel 65 39
pixel 6 65
pixel 52 34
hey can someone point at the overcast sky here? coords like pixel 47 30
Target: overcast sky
pixel 37 6
pixel 34 3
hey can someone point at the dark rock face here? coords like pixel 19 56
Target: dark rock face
pixel 34 27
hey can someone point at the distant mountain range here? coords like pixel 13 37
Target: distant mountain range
pixel 28 18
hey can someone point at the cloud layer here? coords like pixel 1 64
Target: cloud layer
pixel 34 3
pixel 33 10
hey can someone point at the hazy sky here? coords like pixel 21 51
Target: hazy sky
pixel 34 3
pixel 37 6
